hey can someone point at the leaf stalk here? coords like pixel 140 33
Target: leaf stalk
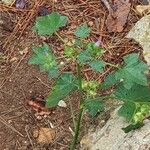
pixel 77 128
pixel 112 65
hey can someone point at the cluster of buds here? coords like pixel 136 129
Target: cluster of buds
pixel 143 111
pixel 90 87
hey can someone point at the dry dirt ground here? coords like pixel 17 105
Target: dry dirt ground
pixel 20 82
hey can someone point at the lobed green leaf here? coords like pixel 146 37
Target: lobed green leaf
pixel 94 50
pixel 89 54
pixel 137 93
pixel 97 65
pixel 49 24
pixel 127 110
pixel 82 31
pixel 84 57
pixel 131 59
pixel 132 72
pixel 109 81
pixel 93 106
pixel 45 59
pixel 69 51
pixel 64 85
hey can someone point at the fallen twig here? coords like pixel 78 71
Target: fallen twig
pixel 107 5
pixel 9 126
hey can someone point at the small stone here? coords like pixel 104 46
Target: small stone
pixel 103 121
pixel 90 23
pixel 62 104
pixel 62 63
pixel 9 121
pixel 30 91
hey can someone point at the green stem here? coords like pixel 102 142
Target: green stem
pixel 80 82
pixel 72 114
pixel 108 97
pixel 112 65
pixel 77 128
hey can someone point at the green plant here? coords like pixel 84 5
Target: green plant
pixel 128 79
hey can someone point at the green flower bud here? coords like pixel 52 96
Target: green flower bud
pixel 138 117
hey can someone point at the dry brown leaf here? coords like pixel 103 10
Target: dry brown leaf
pixel 44 135
pixel 115 22
pixel 143 9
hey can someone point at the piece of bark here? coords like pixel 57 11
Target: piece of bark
pixel 116 21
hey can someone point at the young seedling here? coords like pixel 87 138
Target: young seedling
pixel 129 80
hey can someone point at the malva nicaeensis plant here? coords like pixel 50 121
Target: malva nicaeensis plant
pixel 128 80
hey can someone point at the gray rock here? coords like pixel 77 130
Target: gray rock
pixel 112 137
pixel 141 33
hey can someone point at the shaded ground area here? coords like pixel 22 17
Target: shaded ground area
pixel 20 82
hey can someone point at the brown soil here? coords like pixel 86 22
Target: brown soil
pixel 20 82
